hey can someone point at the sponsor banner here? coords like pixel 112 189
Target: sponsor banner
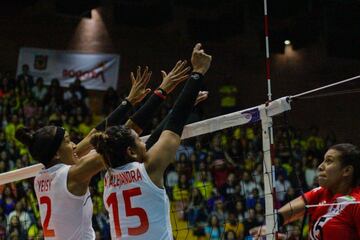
pixel 96 71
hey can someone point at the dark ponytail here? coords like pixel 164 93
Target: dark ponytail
pixel 112 145
pixel 25 136
pixel 99 142
pixel 43 143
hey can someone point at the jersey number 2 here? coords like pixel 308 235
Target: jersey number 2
pixel 47 232
pixel 129 211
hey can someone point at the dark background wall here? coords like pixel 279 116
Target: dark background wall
pixel 157 34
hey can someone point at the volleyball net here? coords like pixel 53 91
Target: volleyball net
pixel 241 179
pixel 216 158
pixel 276 161
pixel 227 177
pixel 221 183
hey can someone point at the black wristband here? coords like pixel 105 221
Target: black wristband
pixel 197 75
pixel 200 78
pixel 116 116
pixel 145 113
pixel 280 219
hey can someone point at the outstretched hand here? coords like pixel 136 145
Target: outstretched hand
pixel 200 60
pixel 202 96
pixel 178 74
pixel 138 85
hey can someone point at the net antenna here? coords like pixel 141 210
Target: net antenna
pixel 268 144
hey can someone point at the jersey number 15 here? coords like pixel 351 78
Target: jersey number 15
pixel 129 211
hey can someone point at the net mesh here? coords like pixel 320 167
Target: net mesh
pixel 216 184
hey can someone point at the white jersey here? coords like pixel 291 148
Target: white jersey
pixel 138 209
pixel 63 215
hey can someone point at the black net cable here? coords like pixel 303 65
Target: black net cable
pixel 324 87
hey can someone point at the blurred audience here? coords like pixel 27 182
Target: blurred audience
pixel 215 184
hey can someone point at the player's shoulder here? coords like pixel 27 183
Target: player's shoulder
pixel 318 190
pixel 127 167
pixel 355 198
pixel 314 195
pixel 356 193
pixel 54 170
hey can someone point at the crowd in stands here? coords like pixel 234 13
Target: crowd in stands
pixel 215 184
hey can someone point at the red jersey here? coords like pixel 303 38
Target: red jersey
pixel 334 222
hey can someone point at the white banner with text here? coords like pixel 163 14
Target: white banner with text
pixel 97 71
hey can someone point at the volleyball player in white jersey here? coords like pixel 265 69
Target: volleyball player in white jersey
pixel 62 188
pixel 134 192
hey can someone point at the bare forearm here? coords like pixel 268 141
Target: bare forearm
pixel 84 147
pixel 80 174
pixel 293 210
pixel 87 167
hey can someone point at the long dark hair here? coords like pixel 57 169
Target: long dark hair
pixel 349 155
pixel 112 145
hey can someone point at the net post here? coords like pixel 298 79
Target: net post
pixel 268 173
pixel 267 111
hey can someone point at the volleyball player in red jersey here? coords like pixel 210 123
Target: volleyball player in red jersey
pixel 333 207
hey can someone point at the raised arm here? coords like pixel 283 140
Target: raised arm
pixel 163 152
pixel 140 119
pixel 202 95
pixel 80 174
pixel 137 93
